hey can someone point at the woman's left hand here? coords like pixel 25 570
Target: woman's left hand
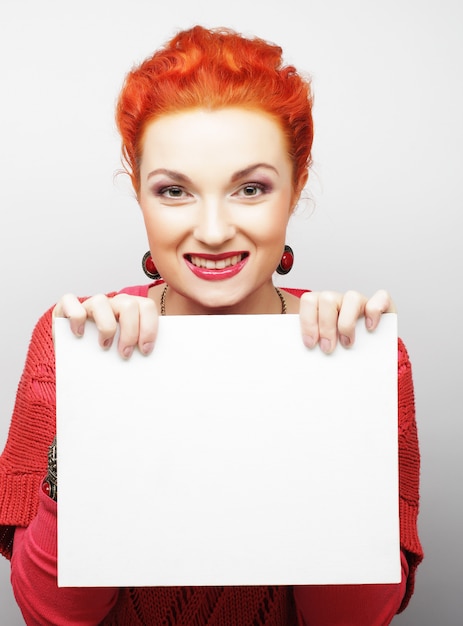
pixel 329 316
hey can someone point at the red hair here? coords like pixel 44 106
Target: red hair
pixel 213 69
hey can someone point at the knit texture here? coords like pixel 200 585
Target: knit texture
pixel 23 466
pixel 201 606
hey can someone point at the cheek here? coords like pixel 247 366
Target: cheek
pixel 161 226
pixel 270 226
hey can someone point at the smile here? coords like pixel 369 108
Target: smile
pixel 215 264
pixel 216 267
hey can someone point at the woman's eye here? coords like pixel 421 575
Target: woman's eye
pixel 171 192
pixel 251 190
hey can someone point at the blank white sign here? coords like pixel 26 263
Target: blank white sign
pixel 232 455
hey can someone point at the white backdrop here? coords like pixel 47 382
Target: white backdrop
pixel 386 193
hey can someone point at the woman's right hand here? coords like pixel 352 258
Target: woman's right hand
pixel 136 316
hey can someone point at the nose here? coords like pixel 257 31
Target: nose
pixel 214 226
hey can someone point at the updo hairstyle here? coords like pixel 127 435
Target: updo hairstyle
pixel 214 69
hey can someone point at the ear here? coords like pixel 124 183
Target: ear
pixel 298 189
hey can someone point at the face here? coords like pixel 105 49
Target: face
pixel 216 195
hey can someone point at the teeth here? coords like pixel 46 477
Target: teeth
pixel 215 265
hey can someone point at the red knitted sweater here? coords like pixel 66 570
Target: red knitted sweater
pixel 23 466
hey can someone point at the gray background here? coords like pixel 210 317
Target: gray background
pixel 385 193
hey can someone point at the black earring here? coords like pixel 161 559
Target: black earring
pixel 149 267
pixel 286 261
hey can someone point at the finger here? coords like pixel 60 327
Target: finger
pixel 352 307
pixel 381 302
pixel 148 330
pixel 121 311
pixel 100 309
pixel 308 317
pixel 69 306
pixel 329 305
pixel 127 311
pixel 138 322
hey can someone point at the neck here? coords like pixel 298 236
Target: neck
pixel 267 300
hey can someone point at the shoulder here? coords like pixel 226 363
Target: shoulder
pixel 295 292
pixel 139 290
pixel 41 349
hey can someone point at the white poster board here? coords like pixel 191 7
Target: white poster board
pixel 232 455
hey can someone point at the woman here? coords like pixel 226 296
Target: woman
pixel 216 135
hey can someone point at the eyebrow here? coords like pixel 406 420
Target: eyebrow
pixel 171 173
pixel 248 170
pixel 236 176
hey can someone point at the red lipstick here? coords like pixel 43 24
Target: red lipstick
pixel 234 263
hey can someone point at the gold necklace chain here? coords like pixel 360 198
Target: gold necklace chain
pixel 163 300
pixel 164 294
pixel 283 301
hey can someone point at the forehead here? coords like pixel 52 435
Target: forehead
pixel 230 136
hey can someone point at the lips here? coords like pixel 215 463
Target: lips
pixel 216 266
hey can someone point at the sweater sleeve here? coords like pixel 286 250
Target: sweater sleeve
pixel 34 576
pixel 23 462
pixel 409 471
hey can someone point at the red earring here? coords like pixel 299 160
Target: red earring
pixel 149 267
pixel 286 261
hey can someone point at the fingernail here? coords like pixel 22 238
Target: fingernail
pixel 127 352
pixel 369 323
pixel 325 345
pixel 308 341
pixel 345 340
pixel 80 330
pixel 147 347
pixel 107 343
